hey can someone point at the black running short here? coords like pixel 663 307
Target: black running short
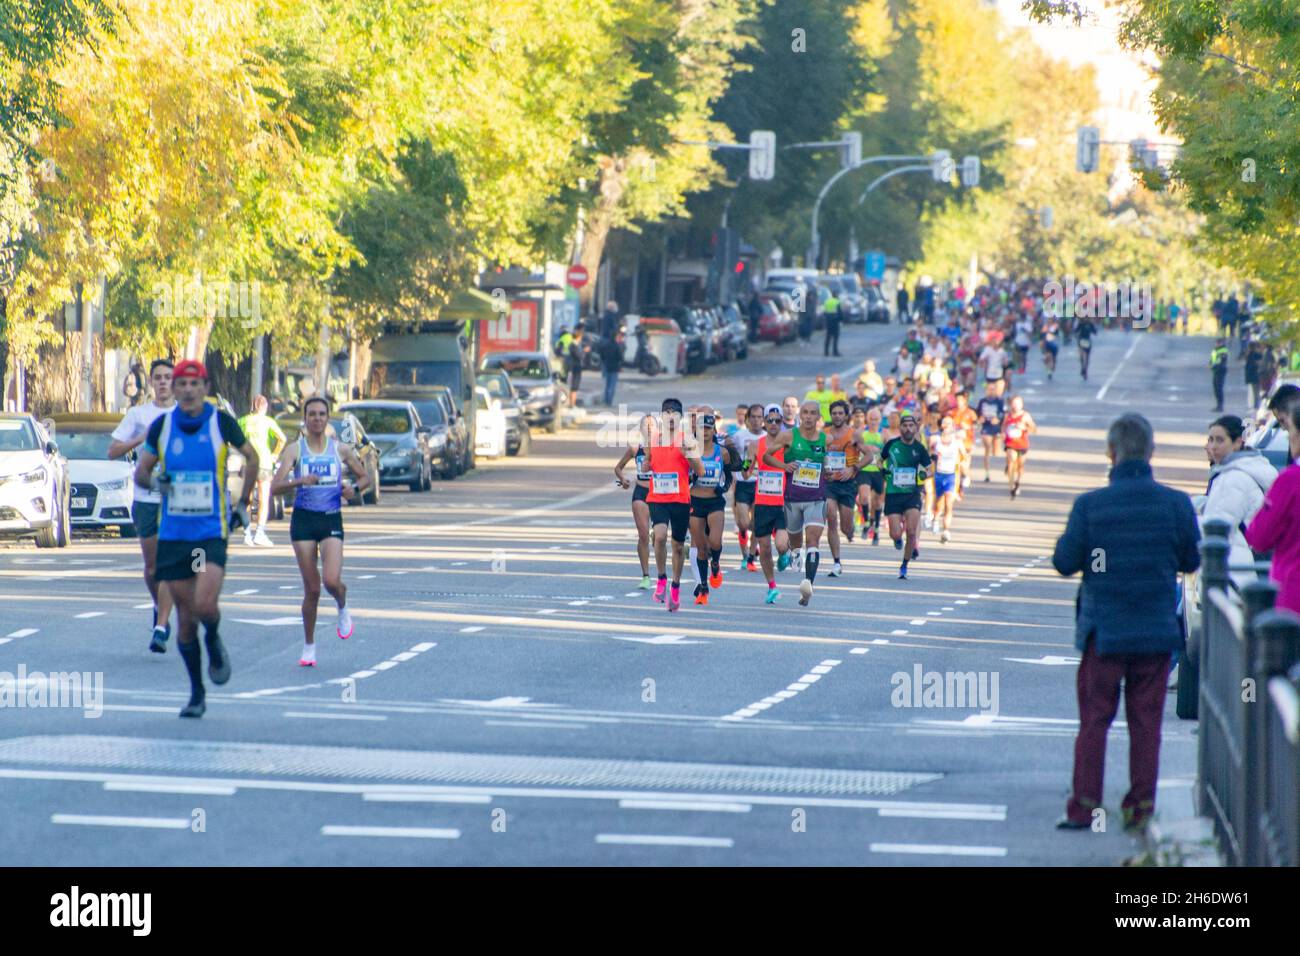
pixel 639 492
pixel 843 492
pixel 767 519
pixel 315 525
pixel 745 492
pixel 876 479
pixel 144 515
pixel 182 560
pixel 898 504
pixel 675 514
pixel 703 507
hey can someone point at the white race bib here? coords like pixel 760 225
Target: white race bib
pixel 667 483
pixel 905 477
pixel 835 461
pixel 191 494
pixel 1013 431
pixel 808 474
pixel 771 482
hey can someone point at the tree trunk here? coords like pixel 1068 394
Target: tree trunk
pixel 232 380
pixel 599 221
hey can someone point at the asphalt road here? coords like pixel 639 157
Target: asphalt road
pixel 509 697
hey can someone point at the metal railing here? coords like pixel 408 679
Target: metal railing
pixel 1249 744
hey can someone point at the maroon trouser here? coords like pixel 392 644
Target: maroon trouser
pixel 1145 677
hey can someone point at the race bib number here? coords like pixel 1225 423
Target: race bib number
pixel 808 474
pixel 905 477
pixel 1013 431
pixel 326 469
pixel 191 494
pixel 667 483
pixel 771 482
pixel 835 461
pixel 712 475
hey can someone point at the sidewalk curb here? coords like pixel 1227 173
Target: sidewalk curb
pixel 1177 836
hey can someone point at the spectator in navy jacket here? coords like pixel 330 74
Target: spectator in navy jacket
pixel 1130 540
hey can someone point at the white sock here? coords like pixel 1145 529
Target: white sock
pixel 695 571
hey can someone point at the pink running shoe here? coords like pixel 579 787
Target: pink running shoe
pixel 659 590
pixel 674 598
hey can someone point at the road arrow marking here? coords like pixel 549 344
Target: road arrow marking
pixel 675 639
pixel 500 702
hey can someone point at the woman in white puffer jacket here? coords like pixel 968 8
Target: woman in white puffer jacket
pixel 1239 479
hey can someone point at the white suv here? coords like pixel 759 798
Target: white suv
pixel 33 482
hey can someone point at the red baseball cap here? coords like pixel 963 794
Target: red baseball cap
pixel 189 368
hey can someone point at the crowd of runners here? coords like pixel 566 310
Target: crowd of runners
pixel 830 466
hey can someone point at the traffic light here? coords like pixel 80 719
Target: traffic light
pixel 762 154
pixel 1143 154
pixel 941 166
pixel 970 171
pixel 1087 155
pixel 851 150
pixel 1047 216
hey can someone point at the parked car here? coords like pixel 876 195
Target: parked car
pixel 34 487
pixel 102 490
pixel 664 348
pixel 519 437
pixel 804 291
pixel 534 382
pixel 450 440
pixel 692 331
pixel 402 439
pixel 737 324
pixel 878 309
pixel 490 435
pixel 844 289
pixel 347 428
pixel 777 323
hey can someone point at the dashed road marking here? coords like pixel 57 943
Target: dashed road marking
pixel 88 614
pixel 938 849
pixel 24 632
pixel 471 630
pixel 407 833
pixel 644 839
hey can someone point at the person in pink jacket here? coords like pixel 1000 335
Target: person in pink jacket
pixel 1276 527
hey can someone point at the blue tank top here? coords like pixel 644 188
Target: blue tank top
pixel 327 494
pixel 712 477
pixel 196 506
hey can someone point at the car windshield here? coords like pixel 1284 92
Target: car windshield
pixel 481 401
pixel 430 410
pixel 83 444
pixel 496 386
pixel 522 368
pixel 397 374
pixel 382 421
pixel 17 435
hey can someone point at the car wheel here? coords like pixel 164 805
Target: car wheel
pixel 525 443
pixel 428 477
pixel 63 528
pixel 553 426
pixel 417 483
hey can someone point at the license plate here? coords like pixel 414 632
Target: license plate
pixel 80 503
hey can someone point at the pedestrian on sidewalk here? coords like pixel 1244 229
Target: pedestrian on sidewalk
pixel 1253 359
pixel 834 316
pixel 573 362
pixel 609 320
pixel 1277 525
pixel 1219 370
pixel 611 360
pixel 1130 540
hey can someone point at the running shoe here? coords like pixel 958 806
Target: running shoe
pixel 987 478
pixel 674 598
pixel 646 583
pixel 195 708
pixel 965 482
pixel 916 553
pixel 945 537
pixel 875 536
pixel 261 540
pixel 308 658
pixel 701 597
pixel 715 579
pixel 773 595
pixel 898 544
pixel 751 563
pixel 805 592
pixel 158 643
pixel 344 629
pixel 783 561
pixel 659 590
pixel 218 659
pixel 248 537
pixel 902 571
pixel 836 571
pixel 928 522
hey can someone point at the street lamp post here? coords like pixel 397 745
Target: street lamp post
pixel 814 244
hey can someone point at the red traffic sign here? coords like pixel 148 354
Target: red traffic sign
pixel 577 276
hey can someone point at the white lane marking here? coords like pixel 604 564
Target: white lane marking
pixel 803 683
pixel 89 614
pixel 1048 659
pixel 398 573
pixel 797 686
pixel 24 632
pixel 360 675
pixel 1101 393
pixel 154 823
pixel 287 587
pixel 385 665
pixel 458 564
pixel 993 584
pixel 578 603
pixel 547 610
pixel 181 788
pixel 983 591
pixel 271 622
pixel 919 620
pixel 643 839
pixel 321 715
pixel 471 630
pixel 408 833
pixel 961 601
pixel 247 591
pixel 996 816
pixel 421 648
pixel 5 640
pixel 946 609
pixel 934 614
pixel 819 669
pixel 702 805
pixel 382 797
pixel 632 594
pixel 881 640
pixel 831 663
pixel 143 607
pixel 1004 580
pixel 858 650
pixel 140 708
pixel 364 577
pixel 938 849
pixel 661 639
pixel 810 678
pixel 897 632
pixel 534 724
pixel 404 656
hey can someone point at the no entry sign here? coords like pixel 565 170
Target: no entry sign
pixel 577 276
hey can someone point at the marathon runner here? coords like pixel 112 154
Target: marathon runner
pixel 949 451
pixel 1085 332
pixel 993 362
pixel 905 462
pixel 190 444
pixel 708 508
pixel 965 420
pixel 990 410
pixel 1051 345
pixel 845 453
pixel 268 438
pixel 789 413
pixel 640 509
pixel 805 496
pixel 316 528
pixel 769 503
pixel 129 434
pixel 742 444
pixel 871 480
pixel 673 458
pixel 1016 429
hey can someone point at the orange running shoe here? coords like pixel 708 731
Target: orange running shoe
pixel 715 579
